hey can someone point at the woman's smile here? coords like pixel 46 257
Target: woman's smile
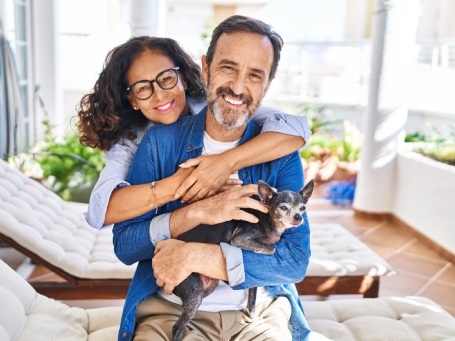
pixel 163 108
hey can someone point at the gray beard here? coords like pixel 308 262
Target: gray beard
pixel 242 117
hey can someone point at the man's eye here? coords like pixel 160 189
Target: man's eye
pixel 227 69
pixel 255 77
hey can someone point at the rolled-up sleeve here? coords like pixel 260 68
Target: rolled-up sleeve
pixel 159 228
pixel 273 120
pixel 234 264
pixel 117 164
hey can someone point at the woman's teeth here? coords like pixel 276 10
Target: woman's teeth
pixel 165 106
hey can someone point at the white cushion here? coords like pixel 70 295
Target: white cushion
pixel 26 315
pixel 337 252
pixel 379 319
pixel 42 222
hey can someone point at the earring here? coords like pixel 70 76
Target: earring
pixel 186 88
pixel 135 108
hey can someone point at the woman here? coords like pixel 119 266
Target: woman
pixel 151 80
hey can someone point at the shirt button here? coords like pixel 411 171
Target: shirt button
pixel 188 148
pixel 124 334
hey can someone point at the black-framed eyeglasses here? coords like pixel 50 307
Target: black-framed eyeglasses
pixel 166 80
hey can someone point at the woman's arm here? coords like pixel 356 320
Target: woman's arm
pixel 114 200
pixel 281 135
pixel 132 201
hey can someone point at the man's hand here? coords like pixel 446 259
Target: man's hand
pixel 175 260
pixel 170 264
pixel 211 174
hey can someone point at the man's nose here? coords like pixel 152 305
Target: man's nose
pixel 238 84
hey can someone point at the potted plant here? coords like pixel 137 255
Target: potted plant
pixel 62 164
pixel 425 185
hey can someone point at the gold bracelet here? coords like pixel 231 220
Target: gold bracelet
pixel 153 186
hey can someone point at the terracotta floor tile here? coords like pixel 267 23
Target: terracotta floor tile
pixel 39 271
pixel 401 284
pixel 383 251
pixel 448 275
pixel 387 237
pixel 440 292
pixel 419 248
pixel 450 310
pixel 424 266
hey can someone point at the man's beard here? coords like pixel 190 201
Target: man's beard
pixel 230 118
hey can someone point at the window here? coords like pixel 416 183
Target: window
pixel 17 119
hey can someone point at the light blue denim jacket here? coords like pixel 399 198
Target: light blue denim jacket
pixel 162 149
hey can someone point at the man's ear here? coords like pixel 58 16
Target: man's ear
pixel 266 193
pixel 205 68
pixel 306 191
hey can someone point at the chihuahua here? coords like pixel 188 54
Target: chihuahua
pixel 285 211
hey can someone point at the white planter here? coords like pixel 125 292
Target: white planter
pixel 425 197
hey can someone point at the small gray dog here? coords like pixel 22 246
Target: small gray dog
pixel 285 211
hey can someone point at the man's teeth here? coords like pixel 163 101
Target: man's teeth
pixel 233 101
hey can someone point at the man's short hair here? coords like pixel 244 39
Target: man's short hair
pixel 240 23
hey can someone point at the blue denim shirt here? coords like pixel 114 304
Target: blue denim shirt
pixel 162 149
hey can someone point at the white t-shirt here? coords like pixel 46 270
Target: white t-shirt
pixel 223 297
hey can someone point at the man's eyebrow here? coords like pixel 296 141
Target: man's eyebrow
pixel 230 62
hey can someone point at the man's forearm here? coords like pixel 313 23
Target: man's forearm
pixel 207 259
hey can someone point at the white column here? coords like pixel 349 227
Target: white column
pixel 394 33
pixel 46 38
pixel 148 17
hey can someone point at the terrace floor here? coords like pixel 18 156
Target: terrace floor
pixel 419 270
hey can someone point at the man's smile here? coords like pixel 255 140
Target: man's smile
pixel 233 101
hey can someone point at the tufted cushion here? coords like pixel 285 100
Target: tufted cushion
pixel 26 315
pixel 379 319
pixel 337 252
pixel 45 224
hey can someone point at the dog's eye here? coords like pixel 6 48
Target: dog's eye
pixel 302 208
pixel 283 208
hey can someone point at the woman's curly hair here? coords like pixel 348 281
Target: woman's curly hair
pixel 105 115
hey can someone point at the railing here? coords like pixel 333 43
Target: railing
pixel 339 73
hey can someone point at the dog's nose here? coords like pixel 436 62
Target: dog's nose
pixel 297 217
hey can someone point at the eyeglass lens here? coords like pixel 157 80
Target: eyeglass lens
pixel 166 80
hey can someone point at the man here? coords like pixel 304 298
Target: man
pixel 241 62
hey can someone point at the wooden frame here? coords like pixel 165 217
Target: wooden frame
pixel 72 287
pixel 368 286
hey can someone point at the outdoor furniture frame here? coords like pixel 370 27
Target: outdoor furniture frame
pixel 54 233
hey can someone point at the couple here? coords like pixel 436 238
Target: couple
pixel 240 63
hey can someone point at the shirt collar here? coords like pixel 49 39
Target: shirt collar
pixel 196 138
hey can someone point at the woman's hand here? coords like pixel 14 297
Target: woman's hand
pixel 228 206
pixel 208 178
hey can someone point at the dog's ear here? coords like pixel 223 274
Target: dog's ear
pixel 266 193
pixel 306 191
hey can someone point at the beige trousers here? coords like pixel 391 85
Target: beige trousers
pixel 156 316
